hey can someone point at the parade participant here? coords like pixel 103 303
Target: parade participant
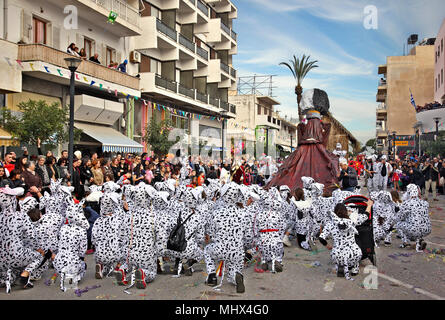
pixel 413 219
pixel 307 184
pixel 227 234
pixel 17 257
pixel 304 224
pixel 370 173
pixel 383 217
pixel 73 243
pixel 271 225
pixel 345 254
pixel 341 154
pixel 311 158
pixel 383 172
pixel 289 210
pixel 106 231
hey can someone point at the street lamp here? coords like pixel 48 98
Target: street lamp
pixel 223 119
pixel 72 63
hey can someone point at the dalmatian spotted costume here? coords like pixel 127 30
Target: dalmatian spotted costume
pixel 304 223
pixel 141 251
pixel 345 252
pixel 16 236
pixel 271 225
pixel 69 261
pixel 45 234
pixel 289 209
pixel 307 184
pixel 413 219
pixel 107 231
pixel 383 217
pixel 321 207
pixel 227 233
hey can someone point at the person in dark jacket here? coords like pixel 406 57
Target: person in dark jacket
pixel 431 173
pixel 416 177
pixel 44 172
pixel 77 183
pixel 347 176
pixel 86 176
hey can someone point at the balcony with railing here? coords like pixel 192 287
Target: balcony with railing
pixel 203 53
pixel 169 32
pixel 224 105
pixel 186 91
pixel 203 7
pixel 40 52
pixel 225 28
pixel 192 2
pixel 122 8
pixel 166 84
pixel 233 72
pixel 187 43
pixel 202 97
pixel 225 68
pixel 233 35
pixel 214 102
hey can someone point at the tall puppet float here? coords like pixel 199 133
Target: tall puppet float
pixel 310 159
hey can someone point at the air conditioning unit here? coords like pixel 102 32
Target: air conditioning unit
pixel 135 57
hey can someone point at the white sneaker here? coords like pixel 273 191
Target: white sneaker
pixel 305 245
pixel 286 241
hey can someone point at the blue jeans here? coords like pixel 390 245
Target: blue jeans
pixel 91 219
pixel 349 189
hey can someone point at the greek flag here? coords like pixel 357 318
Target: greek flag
pixel 412 99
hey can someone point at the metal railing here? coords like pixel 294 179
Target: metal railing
pixel 187 43
pixel 202 52
pixel 381 106
pixel 203 7
pixel 166 84
pixel 233 34
pixel 193 2
pixel 214 102
pixel 186 91
pixel 225 28
pixel 201 97
pixel 224 105
pixel 123 10
pixel 225 68
pixel 233 72
pixel 169 32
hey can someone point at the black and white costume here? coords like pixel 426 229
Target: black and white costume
pixel 413 219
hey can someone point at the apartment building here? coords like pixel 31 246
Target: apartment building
pixel 36 35
pixel 286 139
pixel 439 85
pixel 256 125
pixel 186 64
pixel 395 112
pixel 179 56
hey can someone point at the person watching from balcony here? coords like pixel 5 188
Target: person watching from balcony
pixel 83 54
pixel 95 58
pixel 123 66
pixel 70 48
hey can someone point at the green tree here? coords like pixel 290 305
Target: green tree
pixel 300 68
pixel 157 134
pixel 38 120
pixel 434 148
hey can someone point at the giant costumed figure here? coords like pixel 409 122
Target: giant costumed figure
pixel 310 159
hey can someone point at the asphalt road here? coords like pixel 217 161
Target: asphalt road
pixel 401 274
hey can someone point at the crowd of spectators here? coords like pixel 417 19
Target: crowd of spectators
pixel 430 106
pixel 72 49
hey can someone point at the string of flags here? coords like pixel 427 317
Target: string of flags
pixel 66 73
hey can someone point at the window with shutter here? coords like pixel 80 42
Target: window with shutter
pixel 39 28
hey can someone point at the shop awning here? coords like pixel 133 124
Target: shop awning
pixel 111 139
pixel 6 139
